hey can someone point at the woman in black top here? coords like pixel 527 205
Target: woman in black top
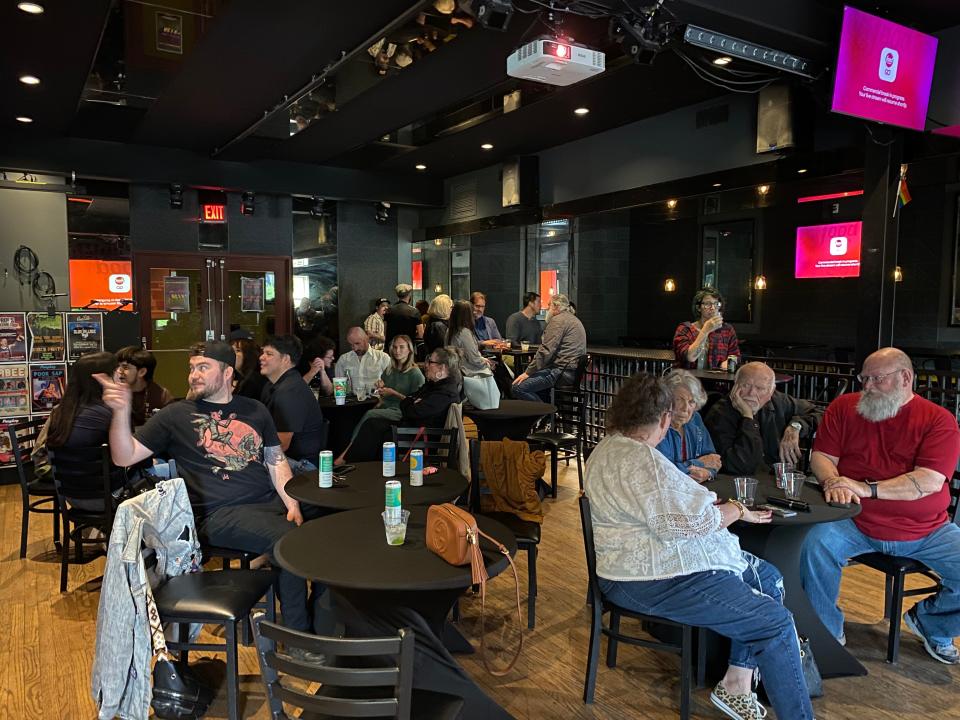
pixel 250 382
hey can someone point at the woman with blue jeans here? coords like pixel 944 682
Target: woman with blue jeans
pixel 663 549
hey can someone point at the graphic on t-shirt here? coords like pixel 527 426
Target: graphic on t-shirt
pixel 231 443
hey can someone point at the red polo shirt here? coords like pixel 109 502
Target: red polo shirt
pixel 921 434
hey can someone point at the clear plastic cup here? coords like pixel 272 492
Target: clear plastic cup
pixel 780 469
pixel 525 346
pixel 746 490
pixel 395 528
pixel 793 484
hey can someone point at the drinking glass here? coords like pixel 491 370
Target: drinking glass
pixel 525 346
pixel 396 528
pixel 779 469
pixel 746 490
pixel 793 484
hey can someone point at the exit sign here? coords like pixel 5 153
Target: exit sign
pixel 213 213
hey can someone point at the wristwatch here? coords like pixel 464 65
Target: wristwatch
pixel 872 484
pixel 797 426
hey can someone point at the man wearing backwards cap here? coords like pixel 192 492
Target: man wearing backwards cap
pixel 374 325
pixel 403 318
pixel 229 455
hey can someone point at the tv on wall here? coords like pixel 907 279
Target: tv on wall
pixel 825 251
pixel 884 71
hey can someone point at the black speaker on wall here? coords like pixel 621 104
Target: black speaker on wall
pixel 775 128
pixel 521 182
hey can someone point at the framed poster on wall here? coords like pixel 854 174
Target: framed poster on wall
pixel 47 383
pixel 13 337
pixel 46 337
pixel 14 391
pixel 84 334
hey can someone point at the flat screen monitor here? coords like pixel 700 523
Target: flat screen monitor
pixel 101 284
pixel 884 71
pixel 825 251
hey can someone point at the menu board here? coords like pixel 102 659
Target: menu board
pixel 14 393
pixel 84 334
pixel 46 337
pixel 13 337
pixel 47 383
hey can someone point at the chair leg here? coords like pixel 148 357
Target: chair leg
pixel 612 642
pixel 56 523
pixel 24 525
pixel 701 678
pixel 685 662
pixel 553 474
pixel 887 596
pixel 64 554
pixel 233 672
pixel 531 586
pixel 593 653
pixel 183 635
pixel 580 468
pixel 895 605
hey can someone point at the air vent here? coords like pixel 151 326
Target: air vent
pixel 463 201
pixel 716 115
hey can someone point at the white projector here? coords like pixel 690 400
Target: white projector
pixel 554 62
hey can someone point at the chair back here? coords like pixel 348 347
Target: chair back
pixel 376 691
pixel 22 437
pixel 477 478
pixel 439 445
pixel 84 473
pixel 588 547
pixel 571 415
pixel 582 364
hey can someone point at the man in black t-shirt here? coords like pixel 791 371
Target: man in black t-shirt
pixel 229 455
pixel 403 318
pixel 291 402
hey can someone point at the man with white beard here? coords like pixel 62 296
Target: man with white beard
pixel 892 452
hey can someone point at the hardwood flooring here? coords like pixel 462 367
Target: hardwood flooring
pixel 47 640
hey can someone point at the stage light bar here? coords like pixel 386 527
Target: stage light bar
pixel 743 50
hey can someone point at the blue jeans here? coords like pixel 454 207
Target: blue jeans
pixel 537 386
pixel 746 608
pixel 300 466
pixel 828 547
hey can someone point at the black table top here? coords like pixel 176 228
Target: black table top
pixel 820 512
pixel 328 402
pixel 363 488
pixel 349 550
pixel 724 376
pixel 512 409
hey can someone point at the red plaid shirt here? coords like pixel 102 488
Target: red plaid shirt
pixel 721 344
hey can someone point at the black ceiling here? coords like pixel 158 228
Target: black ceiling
pixel 251 54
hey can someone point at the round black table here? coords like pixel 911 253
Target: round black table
pixel 363 488
pixel 724 378
pixel 343 419
pixel 780 543
pixel 513 419
pixel 348 552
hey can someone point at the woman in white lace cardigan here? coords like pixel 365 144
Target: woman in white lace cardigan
pixel 663 549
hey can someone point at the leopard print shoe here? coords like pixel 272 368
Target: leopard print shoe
pixel 739 707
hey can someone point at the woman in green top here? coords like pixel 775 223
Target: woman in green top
pixel 402 378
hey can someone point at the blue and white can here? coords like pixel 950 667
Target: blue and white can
pixel 389 459
pixel 416 468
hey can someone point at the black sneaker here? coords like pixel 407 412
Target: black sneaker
pixel 305 656
pixel 947 654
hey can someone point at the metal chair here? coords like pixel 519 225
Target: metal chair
pixel 896 570
pixel 22 437
pixel 382 687
pixel 601 605
pixel 564 439
pixel 439 445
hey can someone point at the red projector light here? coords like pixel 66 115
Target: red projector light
pixel 558 50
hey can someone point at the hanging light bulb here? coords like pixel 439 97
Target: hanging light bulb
pixel 760 283
pixel 897 274
pixel 438 242
pixel 669 285
pixel 438 288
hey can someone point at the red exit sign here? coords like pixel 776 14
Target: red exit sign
pixel 213 213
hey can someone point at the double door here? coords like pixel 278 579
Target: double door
pixel 185 298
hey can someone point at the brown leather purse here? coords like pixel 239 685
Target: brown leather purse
pixel 452 533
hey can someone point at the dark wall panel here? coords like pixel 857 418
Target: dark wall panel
pixel 496 259
pixel 603 270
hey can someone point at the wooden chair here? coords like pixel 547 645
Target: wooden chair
pixel 439 445
pixel 896 570
pixel 35 494
pixel 373 690
pixel 601 605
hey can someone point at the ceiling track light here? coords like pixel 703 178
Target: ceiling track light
pixel 318 206
pixel 382 214
pixel 737 48
pixel 176 196
pixel 248 204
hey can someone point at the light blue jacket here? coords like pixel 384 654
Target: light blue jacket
pixel 162 519
pixel 698 440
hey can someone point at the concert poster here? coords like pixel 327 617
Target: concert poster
pixel 13 337
pixel 47 383
pixel 46 337
pixel 14 393
pixel 84 334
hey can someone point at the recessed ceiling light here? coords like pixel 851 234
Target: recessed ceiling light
pixel 581 111
pixel 32 8
pixel 420 166
pixel 29 80
pixel 486 146
pixel 24 119
pixel 801 171
pixel 723 60
pixel 716 184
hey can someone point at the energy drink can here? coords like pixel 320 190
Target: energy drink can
pixel 416 468
pixel 732 364
pixel 391 505
pixel 389 459
pixel 326 469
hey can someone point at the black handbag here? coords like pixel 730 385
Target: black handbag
pixel 811 673
pixel 177 695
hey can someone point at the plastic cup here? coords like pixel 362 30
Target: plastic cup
pixel 746 490
pixel 781 468
pixel 362 392
pixel 340 390
pixel 525 346
pixel 395 528
pixel 793 484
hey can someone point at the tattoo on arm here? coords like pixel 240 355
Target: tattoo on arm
pixel 273 455
pixel 912 479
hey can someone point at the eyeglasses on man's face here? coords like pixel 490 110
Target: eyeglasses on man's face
pixel 875 379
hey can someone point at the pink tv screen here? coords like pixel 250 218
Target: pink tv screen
pixel 825 251
pixel 884 71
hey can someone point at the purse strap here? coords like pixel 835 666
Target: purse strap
pixel 476 553
pixel 420 432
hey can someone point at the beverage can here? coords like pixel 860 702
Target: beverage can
pixel 389 459
pixel 416 468
pixel 326 469
pixel 391 506
pixel 340 390
pixel 732 364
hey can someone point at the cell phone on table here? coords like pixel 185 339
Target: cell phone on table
pixel 788 503
pixel 343 469
pixel 778 511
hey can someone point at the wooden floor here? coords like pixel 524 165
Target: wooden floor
pixel 47 640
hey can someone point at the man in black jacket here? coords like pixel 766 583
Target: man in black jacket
pixel 758 424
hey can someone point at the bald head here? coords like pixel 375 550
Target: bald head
pixel 358 340
pixel 755 384
pixel 891 357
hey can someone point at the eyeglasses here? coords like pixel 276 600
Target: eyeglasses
pixel 875 379
pixel 710 304
pixel 433 362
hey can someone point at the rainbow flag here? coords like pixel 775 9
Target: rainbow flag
pixel 903 193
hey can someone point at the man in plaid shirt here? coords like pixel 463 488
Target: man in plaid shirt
pixel 707 342
pixel 374 325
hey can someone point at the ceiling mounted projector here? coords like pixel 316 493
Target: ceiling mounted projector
pixel 554 62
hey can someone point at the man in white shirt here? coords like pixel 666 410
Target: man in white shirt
pixel 363 364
